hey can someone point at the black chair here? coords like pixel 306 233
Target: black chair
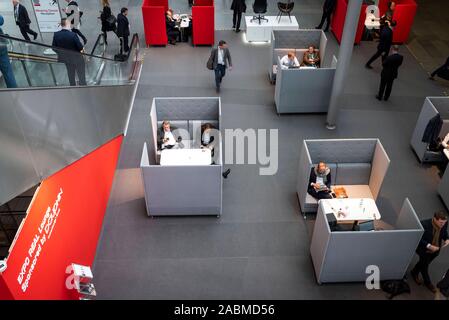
pixel 285 8
pixel 259 8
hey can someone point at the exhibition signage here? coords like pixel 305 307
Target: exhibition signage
pixel 62 227
pixel 48 15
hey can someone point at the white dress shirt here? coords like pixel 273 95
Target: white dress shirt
pixel 286 62
pixel 221 56
pixel 171 139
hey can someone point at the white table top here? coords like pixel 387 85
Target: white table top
pixel 273 21
pixel 184 19
pixel 186 157
pixel 353 209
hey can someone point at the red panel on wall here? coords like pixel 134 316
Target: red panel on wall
pixel 62 226
pixel 153 13
pixel 203 25
pixel 338 21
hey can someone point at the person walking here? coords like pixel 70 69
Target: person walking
pixel 435 238
pixel 108 20
pixel 74 15
pixel 389 72
pixel 5 64
pixel 220 59
pixel 123 30
pixel 23 20
pixel 238 6
pixel 442 71
pixel 385 42
pixel 328 9
pixel 71 55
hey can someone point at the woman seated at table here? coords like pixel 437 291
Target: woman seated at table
pixel 289 60
pixel 170 24
pixel 207 137
pixel 320 182
pixel 311 57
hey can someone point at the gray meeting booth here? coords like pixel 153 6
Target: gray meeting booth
pixel 351 256
pixel 181 190
pixel 358 165
pixel 432 106
pixel 304 89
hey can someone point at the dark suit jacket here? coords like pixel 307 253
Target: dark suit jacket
pixel 391 66
pixel 170 24
pixel 427 236
pixel 386 39
pixel 23 19
pixel 67 40
pixel 432 130
pixel 329 5
pixel 238 5
pixel 122 26
pixel 312 179
pixel 227 57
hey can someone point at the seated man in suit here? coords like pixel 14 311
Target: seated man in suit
pixel 320 182
pixel 311 57
pixel 289 61
pixel 170 24
pixel 166 139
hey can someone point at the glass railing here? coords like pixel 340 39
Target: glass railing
pixel 38 65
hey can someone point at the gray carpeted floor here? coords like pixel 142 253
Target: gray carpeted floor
pixel 259 248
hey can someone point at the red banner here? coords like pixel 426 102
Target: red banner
pixel 62 227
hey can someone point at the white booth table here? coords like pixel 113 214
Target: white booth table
pixel 256 32
pixel 185 157
pixel 352 209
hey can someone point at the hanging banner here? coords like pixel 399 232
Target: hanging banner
pixel 48 15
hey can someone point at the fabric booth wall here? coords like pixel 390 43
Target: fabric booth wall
pixel 203 15
pixel 338 21
pixel 153 13
pixel 404 14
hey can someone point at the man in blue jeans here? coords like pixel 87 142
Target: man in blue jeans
pixel 5 65
pixel 221 60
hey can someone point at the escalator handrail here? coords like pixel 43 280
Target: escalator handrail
pixel 52 47
pixel 96 44
pixel 32 57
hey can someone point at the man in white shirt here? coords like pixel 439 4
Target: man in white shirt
pixel 166 138
pixel 289 61
pixel 221 59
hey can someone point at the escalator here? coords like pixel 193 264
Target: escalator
pixel 36 65
pixel 46 124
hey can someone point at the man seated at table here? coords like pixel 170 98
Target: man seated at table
pixel 170 24
pixel 166 139
pixel 320 182
pixel 289 61
pixel 311 57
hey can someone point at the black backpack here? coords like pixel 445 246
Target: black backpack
pixel 395 287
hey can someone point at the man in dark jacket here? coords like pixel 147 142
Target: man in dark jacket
pixel 5 64
pixel 389 72
pixel 328 9
pixel 238 6
pixel 383 48
pixel 221 59
pixel 435 238
pixel 23 20
pixel 71 56
pixel 123 30
pixel 442 72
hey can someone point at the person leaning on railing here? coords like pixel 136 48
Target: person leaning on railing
pixel 5 64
